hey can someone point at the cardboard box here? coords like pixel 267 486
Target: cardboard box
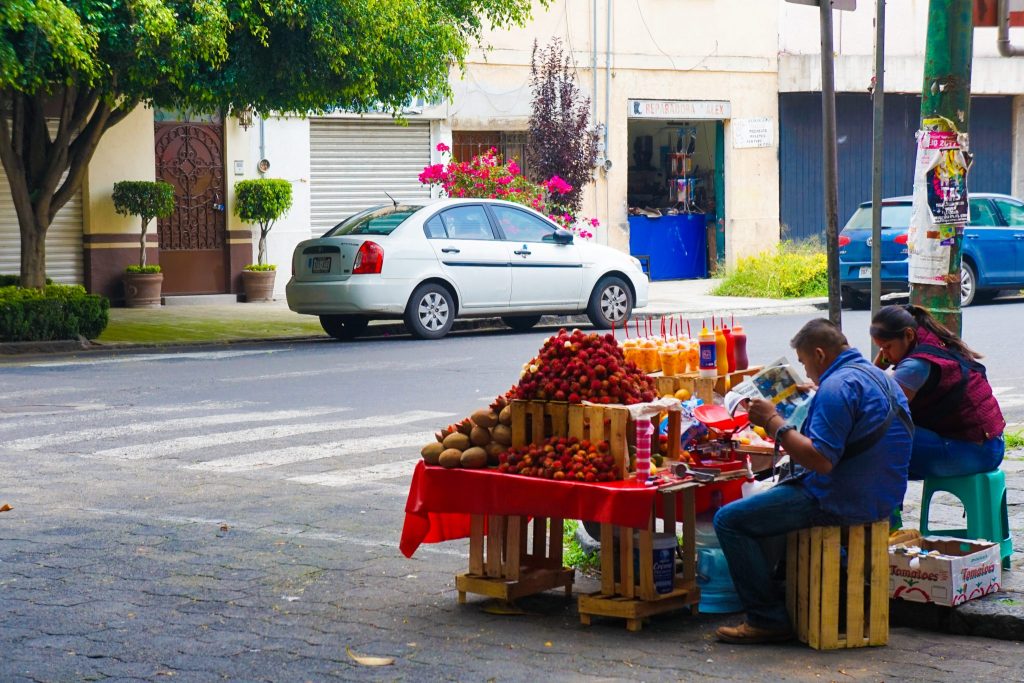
pixel 963 571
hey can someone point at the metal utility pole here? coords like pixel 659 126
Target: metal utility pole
pixel 877 134
pixel 831 170
pixel 946 96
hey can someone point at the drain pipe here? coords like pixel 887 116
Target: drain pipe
pixel 1003 35
pixel 607 81
pixel 593 65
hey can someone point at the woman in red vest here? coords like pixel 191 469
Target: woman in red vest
pixel 958 424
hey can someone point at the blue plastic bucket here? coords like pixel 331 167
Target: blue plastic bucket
pixel 717 593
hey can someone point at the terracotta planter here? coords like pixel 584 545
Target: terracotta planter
pixel 142 290
pixel 258 284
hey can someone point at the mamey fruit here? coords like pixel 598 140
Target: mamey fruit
pixel 456 440
pixel 431 452
pixel 475 457
pixel 493 449
pixel 485 418
pixel 480 436
pixel 505 416
pixel 451 457
pixel 502 434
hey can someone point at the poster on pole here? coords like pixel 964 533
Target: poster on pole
pixel 940 208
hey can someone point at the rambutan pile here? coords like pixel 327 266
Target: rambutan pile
pixel 576 367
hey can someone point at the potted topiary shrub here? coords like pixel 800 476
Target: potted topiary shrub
pixel 147 199
pixel 261 201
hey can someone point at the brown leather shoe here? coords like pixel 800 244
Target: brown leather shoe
pixel 745 634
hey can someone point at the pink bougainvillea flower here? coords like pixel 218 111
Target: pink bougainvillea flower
pixel 557 185
pixel 441 147
pixel 513 168
pixel 594 222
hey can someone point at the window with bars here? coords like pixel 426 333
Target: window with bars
pixel 511 145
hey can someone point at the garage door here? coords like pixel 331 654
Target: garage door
pixel 353 163
pixel 63 239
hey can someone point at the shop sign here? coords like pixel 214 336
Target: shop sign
pixel 679 109
pixel 755 132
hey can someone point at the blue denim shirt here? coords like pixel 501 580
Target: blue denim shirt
pixel 848 404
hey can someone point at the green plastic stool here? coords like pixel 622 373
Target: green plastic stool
pixel 984 500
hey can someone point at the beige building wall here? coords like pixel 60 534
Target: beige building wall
pixel 125 152
pixel 714 50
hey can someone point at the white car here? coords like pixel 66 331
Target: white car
pixel 430 263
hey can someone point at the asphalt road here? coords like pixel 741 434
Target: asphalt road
pixel 233 513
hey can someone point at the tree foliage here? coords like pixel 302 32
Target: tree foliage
pixel 89 63
pixel 146 199
pixel 561 141
pixel 262 201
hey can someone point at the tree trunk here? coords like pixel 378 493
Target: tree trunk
pixel 142 241
pixel 262 256
pixel 33 252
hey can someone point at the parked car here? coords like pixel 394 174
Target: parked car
pixel 429 263
pixel 993 249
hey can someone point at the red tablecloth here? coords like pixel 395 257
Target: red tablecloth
pixel 441 500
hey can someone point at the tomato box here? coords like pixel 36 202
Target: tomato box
pixel 960 571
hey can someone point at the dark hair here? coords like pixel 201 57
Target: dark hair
pixel 890 322
pixel 820 333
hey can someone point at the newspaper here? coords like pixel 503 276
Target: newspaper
pixel 779 383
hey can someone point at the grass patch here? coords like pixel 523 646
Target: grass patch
pixel 791 270
pixel 572 554
pixel 1010 602
pixel 180 324
pixel 1014 440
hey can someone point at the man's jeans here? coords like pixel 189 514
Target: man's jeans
pixel 752 533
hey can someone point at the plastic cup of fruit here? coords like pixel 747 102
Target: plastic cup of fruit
pixel 669 357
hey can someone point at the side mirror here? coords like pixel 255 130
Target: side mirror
pixel 563 236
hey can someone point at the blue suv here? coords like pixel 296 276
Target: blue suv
pixel 993 249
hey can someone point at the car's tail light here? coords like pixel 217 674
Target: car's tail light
pixel 369 259
pixel 901 238
pixel 843 240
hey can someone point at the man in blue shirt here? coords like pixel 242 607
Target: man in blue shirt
pixel 851 457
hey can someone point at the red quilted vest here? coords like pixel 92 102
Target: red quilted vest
pixel 955 409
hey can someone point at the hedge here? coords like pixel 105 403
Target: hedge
pixel 56 312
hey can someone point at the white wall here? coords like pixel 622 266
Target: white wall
pixel 906 24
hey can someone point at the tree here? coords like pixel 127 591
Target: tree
pixel 147 200
pixel 89 63
pixel 262 201
pixel 561 142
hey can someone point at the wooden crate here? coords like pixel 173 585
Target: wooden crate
pixel 634 597
pixel 815 596
pixel 534 421
pixel 511 556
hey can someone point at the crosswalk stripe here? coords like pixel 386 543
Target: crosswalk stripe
pixel 363 475
pixel 294 454
pixel 174 446
pixel 64 414
pixel 197 355
pixel 83 435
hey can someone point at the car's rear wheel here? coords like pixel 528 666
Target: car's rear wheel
pixel 968 284
pixel 430 312
pixel 857 301
pixel 611 303
pixel 521 323
pixel 343 327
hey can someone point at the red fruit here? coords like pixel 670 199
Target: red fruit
pixel 559 395
pixel 558 475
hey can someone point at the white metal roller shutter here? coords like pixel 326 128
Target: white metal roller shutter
pixel 63 238
pixel 352 164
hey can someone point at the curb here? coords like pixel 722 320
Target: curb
pixel 999 616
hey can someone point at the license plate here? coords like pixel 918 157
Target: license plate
pixel 865 271
pixel 321 264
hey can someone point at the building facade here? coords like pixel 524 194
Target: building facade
pixel 709 110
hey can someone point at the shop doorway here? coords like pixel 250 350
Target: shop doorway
pixel 675 195
pixel 193 244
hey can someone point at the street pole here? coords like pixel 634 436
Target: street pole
pixel 831 170
pixel 946 95
pixel 877 133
